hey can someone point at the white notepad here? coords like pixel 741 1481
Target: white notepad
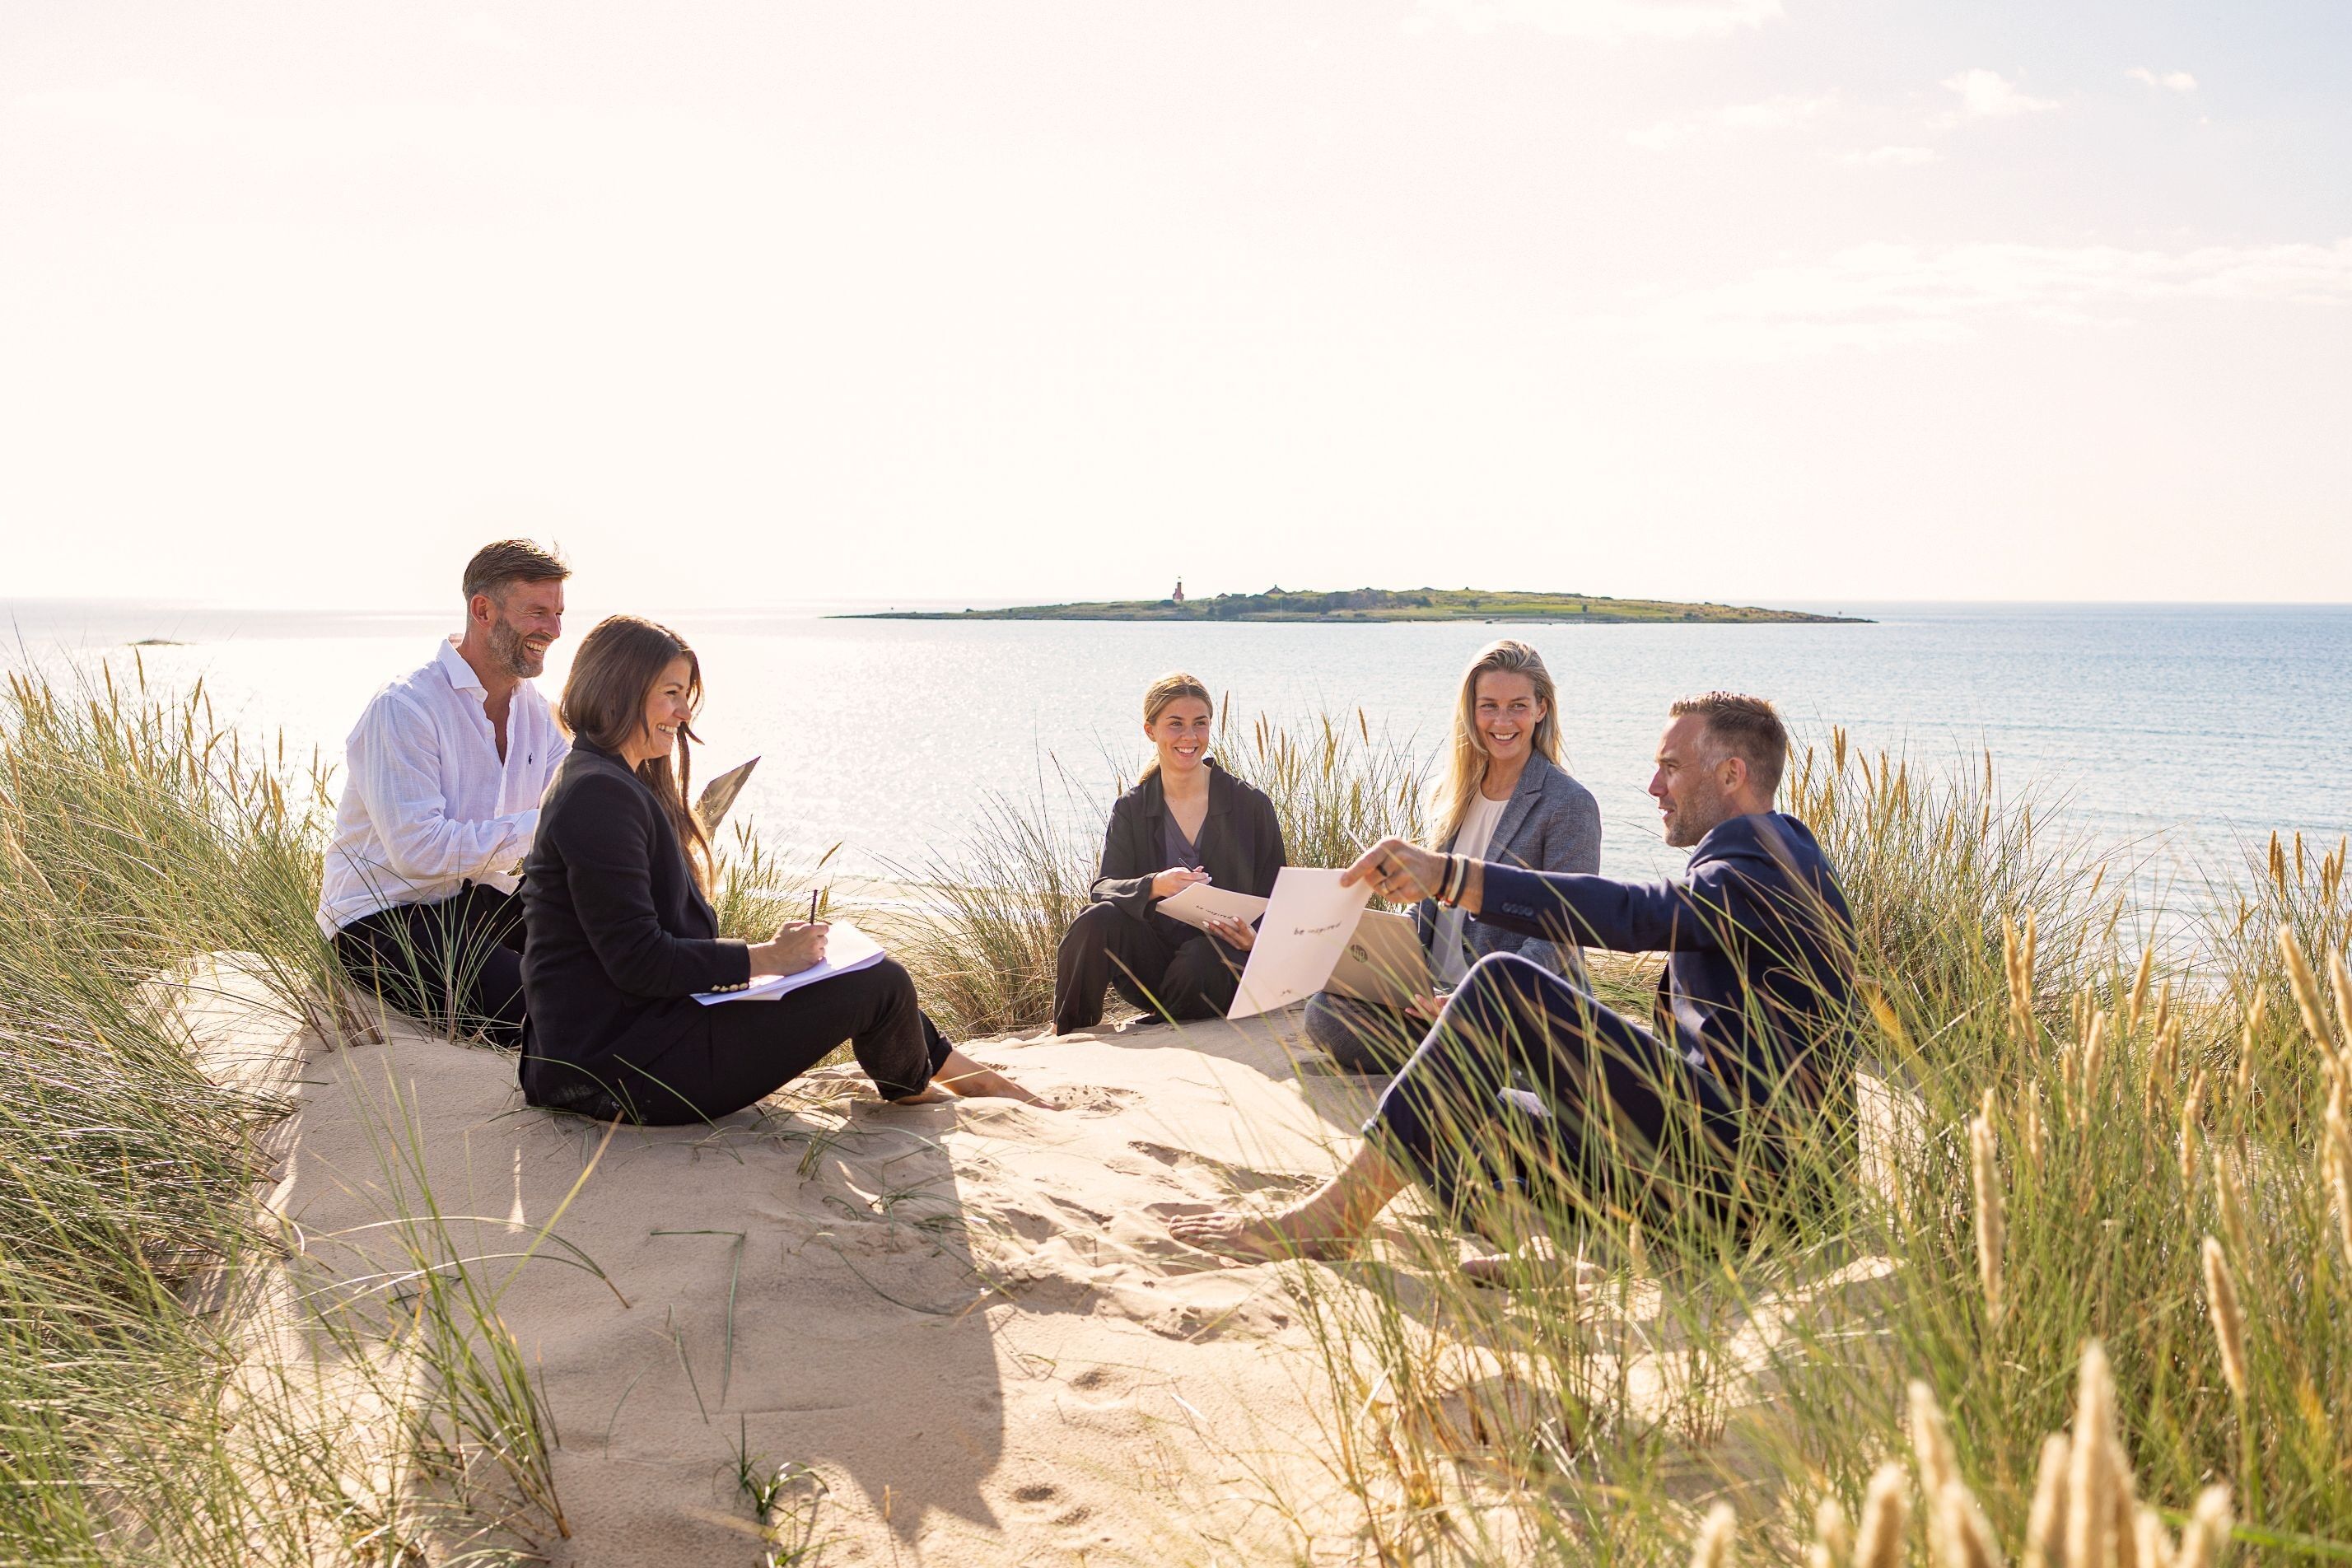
pixel 846 950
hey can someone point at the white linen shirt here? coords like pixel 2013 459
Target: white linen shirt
pixel 427 806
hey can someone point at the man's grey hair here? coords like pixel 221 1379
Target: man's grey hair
pixel 507 561
pixel 1747 727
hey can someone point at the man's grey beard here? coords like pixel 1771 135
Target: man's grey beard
pixel 1696 821
pixel 514 655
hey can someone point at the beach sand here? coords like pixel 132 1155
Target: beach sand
pixel 966 1319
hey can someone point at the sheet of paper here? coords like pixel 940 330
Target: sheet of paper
pixel 1307 923
pixel 1195 904
pixel 847 949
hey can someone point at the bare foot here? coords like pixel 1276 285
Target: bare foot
pixel 1283 1233
pixel 931 1094
pixel 989 1084
pixel 965 1075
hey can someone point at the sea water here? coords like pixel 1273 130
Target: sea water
pixel 2180 735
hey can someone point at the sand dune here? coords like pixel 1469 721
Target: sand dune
pixel 967 1320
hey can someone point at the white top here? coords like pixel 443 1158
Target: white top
pixel 1478 828
pixel 428 806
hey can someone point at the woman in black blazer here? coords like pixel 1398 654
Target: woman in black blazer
pixel 1187 821
pixel 621 935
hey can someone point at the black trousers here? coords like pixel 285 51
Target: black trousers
pixel 456 964
pixel 1527 1082
pixel 703 1063
pixel 1108 946
pixel 1363 1037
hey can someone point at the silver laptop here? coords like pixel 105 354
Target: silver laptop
pixel 1383 961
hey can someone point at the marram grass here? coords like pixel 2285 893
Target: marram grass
pixel 142 1417
pixel 2069 1286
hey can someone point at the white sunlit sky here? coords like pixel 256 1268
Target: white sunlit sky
pixel 1746 300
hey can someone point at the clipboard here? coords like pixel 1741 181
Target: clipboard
pixel 719 794
pixel 1383 963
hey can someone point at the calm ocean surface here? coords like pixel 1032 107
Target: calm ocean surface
pixel 2184 733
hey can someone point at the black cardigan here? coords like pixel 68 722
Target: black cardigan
pixel 1240 845
pixel 620 937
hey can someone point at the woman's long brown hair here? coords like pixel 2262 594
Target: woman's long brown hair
pixel 604 705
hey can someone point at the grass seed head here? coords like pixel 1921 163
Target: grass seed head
pixel 2045 1520
pixel 1964 1537
pixel 1931 1442
pixel 2192 1112
pixel 1992 1220
pixel 2092 1464
pixel 1717 1544
pixel 2206 1540
pixel 2139 989
pixel 2336 1166
pixel 1885 1510
pixel 2306 990
pixel 2228 1324
pixel 1833 1544
pixel 2339 980
pixel 2230 1198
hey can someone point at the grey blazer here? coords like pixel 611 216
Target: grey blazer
pixel 1551 823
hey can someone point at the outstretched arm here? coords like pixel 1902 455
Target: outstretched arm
pixel 1586 911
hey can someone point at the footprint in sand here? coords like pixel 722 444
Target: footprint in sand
pixel 1094 1099
pixel 1043 1497
pixel 1236 1179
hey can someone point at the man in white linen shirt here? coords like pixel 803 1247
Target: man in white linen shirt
pixel 444 771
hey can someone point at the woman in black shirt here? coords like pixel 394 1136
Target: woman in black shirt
pixel 1187 821
pixel 622 934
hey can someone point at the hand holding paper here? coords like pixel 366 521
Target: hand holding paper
pixel 1305 926
pixel 1197 903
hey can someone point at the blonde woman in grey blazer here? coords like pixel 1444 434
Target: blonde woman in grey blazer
pixel 1507 800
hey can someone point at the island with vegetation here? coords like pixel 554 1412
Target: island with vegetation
pixel 1375 604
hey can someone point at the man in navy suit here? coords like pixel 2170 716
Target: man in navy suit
pixel 1526 1078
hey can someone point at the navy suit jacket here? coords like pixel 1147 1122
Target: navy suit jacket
pixel 1760 947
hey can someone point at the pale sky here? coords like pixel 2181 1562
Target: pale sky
pixel 1758 301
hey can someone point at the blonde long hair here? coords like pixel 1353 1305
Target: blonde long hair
pixel 1164 690
pixel 1467 765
